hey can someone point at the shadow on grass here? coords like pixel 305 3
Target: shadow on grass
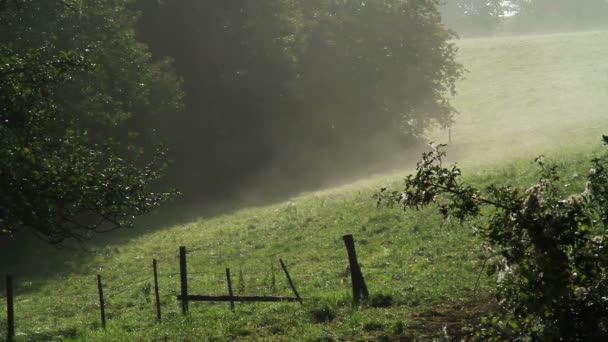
pixel 31 260
pixel 453 322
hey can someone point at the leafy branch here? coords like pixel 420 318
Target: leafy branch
pixel 553 262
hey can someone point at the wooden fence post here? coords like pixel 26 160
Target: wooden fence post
pixel 230 292
pixel 293 288
pixel 449 135
pixel 10 309
pixel 155 269
pixel 359 287
pixel 183 270
pixel 102 304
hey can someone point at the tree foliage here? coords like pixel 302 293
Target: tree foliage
pixel 551 247
pixel 73 77
pixel 473 17
pixel 541 15
pixel 297 83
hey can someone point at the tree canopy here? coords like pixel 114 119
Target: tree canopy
pixel 275 87
pixel 473 17
pixel 298 88
pixel 538 15
pixel 73 77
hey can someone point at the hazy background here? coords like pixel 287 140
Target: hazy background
pixel 284 96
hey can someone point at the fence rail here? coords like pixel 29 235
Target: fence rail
pixel 183 296
pixel 227 298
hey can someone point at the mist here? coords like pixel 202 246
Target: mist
pixel 251 132
pixel 238 104
pixel 283 97
pixel 307 114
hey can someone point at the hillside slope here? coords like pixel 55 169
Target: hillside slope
pixel 523 96
pixel 529 94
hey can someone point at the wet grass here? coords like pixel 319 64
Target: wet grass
pixel 522 97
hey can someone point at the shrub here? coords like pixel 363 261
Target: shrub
pixel 550 247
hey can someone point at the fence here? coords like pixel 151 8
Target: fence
pixel 105 292
pixel 185 297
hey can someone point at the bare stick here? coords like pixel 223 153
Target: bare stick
pixel 183 270
pixel 202 298
pixel 295 292
pixel 156 293
pixel 230 293
pixel 10 309
pixel 359 287
pixel 102 304
pixel 449 135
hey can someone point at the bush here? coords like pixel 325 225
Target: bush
pixel 550 247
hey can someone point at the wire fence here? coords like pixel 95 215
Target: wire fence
pixel 254 272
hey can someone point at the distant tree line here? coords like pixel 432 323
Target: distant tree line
pixel 559 15
pixel 473 17
pixel 483 17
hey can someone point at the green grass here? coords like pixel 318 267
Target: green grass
pixel 523 97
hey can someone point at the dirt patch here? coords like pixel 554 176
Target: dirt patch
pixel 452 321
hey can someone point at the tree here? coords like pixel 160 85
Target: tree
pixel 560 14
pixel 369 73
pixel 297 86
pixel 551 247
pixel 236 63
pixel 72 77
pixel 472 17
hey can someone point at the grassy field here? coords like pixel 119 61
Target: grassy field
pixel 522 97
pixel 525 95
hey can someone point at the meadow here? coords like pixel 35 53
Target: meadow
pixel 521 97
